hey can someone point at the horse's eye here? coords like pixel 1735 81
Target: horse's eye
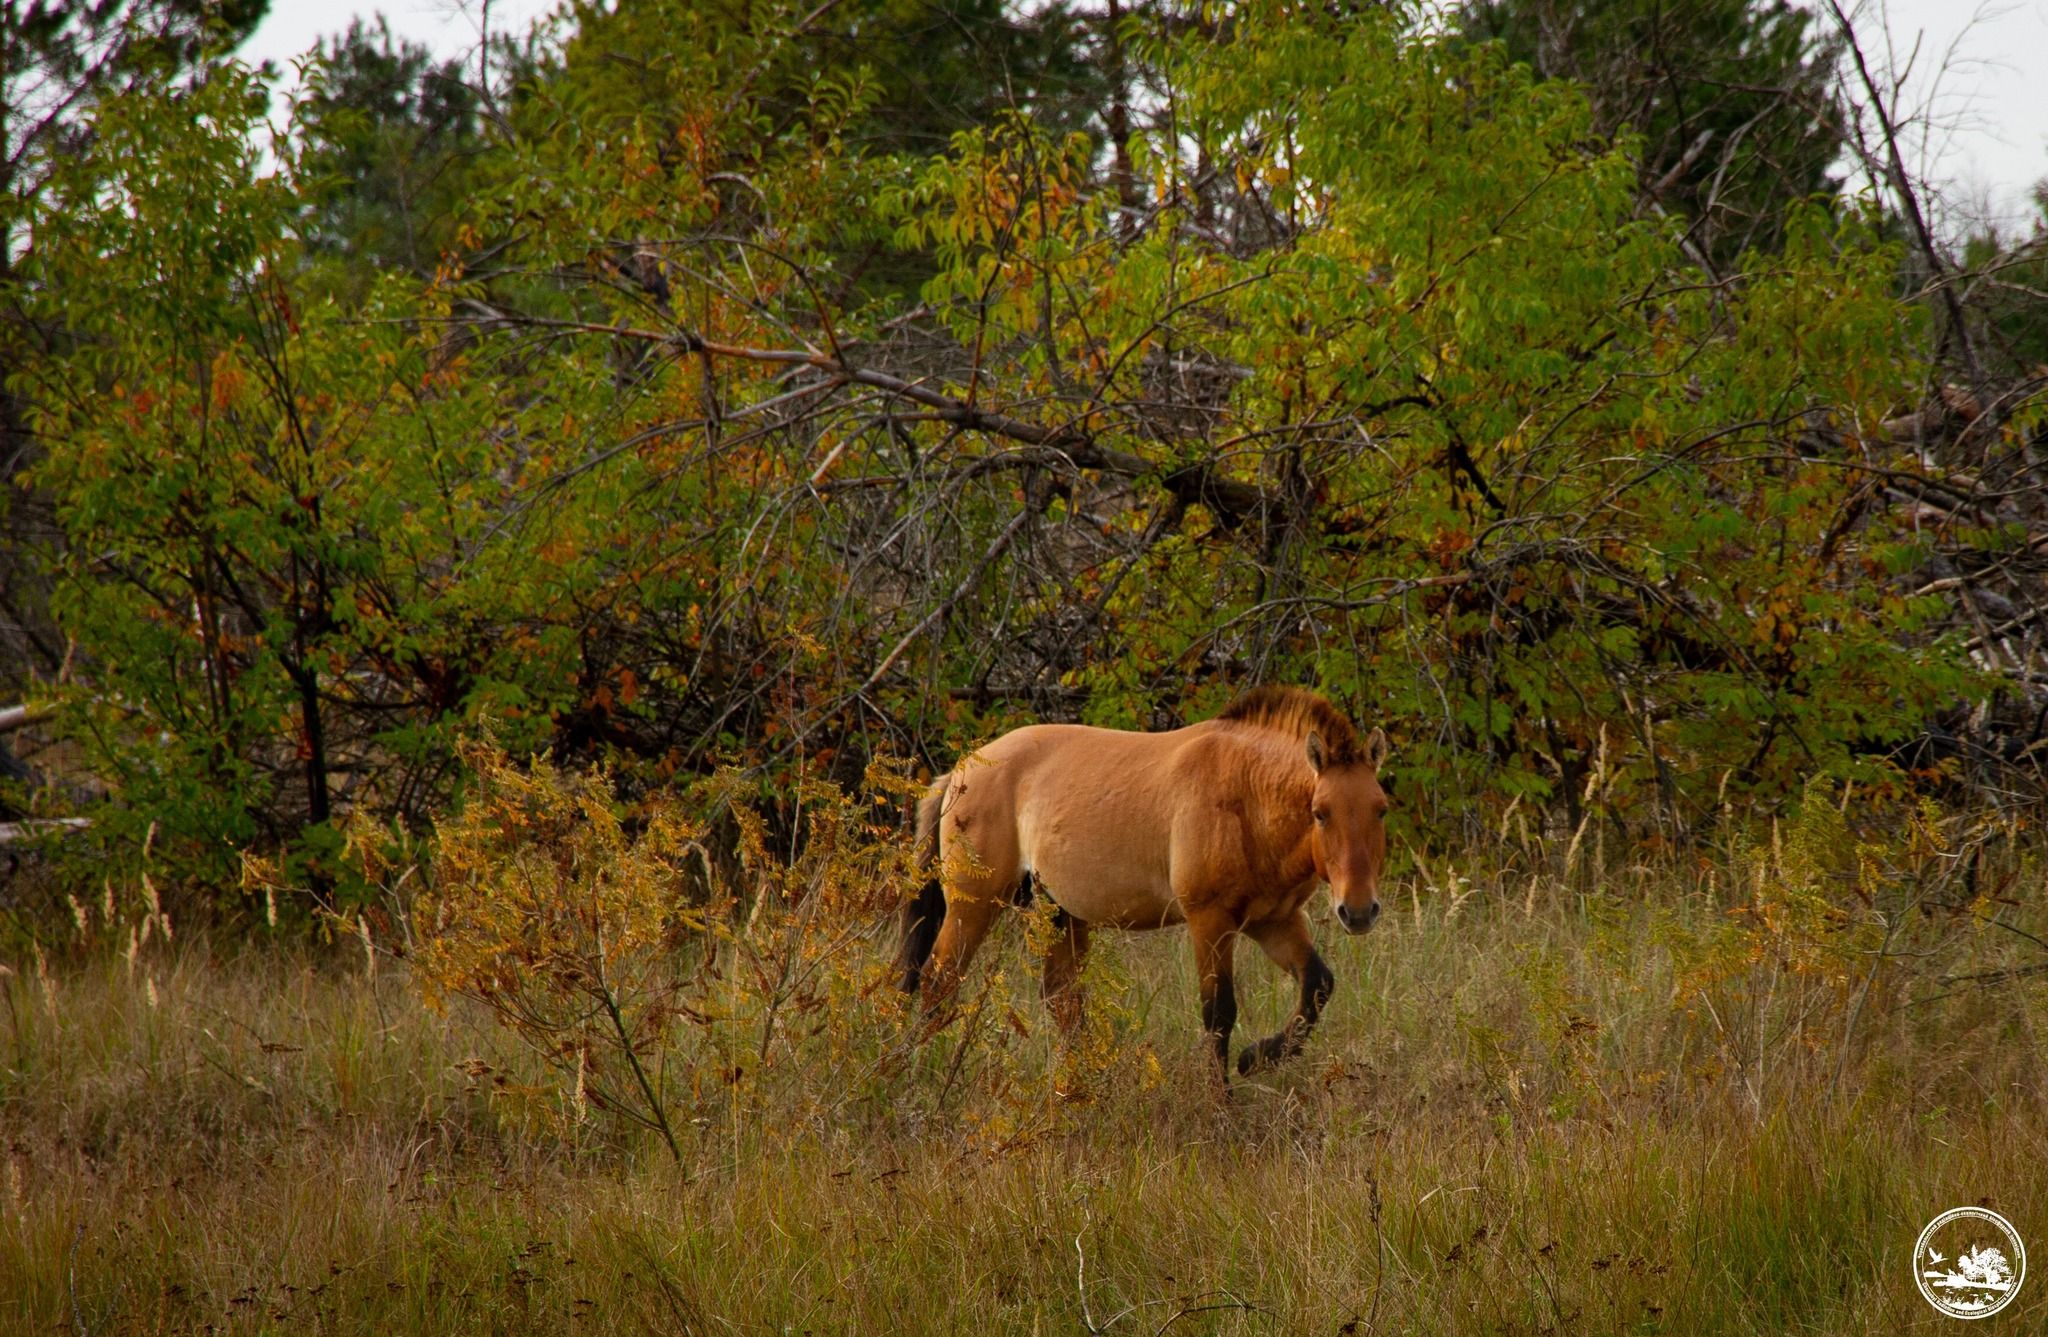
pixel 1321 816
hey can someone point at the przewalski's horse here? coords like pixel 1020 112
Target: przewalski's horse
pixel 1225 826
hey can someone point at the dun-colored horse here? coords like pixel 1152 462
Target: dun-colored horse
pixel 1225 826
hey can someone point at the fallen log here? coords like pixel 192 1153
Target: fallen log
pixel 14 832
pixel 13 717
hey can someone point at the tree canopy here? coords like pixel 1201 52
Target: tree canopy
pixel 721 386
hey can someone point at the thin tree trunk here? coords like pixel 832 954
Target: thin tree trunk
pixel 1117 120
pixel 319 804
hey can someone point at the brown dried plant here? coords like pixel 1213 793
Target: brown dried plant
pixel 656 981
pixel 569 919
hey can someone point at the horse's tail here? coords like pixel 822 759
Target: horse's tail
pixel 924 912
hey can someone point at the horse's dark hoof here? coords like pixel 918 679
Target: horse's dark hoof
pixel 1251 1060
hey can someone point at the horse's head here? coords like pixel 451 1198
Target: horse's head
pixel 1349 837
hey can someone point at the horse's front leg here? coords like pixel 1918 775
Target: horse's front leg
pixel 1215 940
pixel 1288 945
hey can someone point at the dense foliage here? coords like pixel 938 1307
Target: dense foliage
pixel 59 62
pixel 708 389
pixel 1734 100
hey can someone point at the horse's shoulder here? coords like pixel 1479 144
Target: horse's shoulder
pixel 1199 746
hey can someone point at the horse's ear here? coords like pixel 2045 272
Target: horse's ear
pixel 1376 748
pixel 1315 751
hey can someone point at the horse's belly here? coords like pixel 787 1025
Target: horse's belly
pixel 1119 883
pixel 1094 901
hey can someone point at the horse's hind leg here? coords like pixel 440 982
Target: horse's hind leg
pixel 1288 945
pixel 966 923
pixel 978 883
pixel 1060 986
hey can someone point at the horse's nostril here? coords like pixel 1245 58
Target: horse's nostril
pixel 1372 913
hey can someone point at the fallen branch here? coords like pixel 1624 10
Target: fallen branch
pixel 1231 498
pixel 945 607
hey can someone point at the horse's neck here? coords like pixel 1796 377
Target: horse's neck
pixel 1285 788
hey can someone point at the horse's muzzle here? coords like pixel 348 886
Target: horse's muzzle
pixel 1360 920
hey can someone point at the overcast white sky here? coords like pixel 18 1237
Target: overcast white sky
pixel 1979 80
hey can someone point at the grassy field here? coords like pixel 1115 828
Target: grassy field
pixel 1530 1110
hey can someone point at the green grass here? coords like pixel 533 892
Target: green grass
pixel 1507 1124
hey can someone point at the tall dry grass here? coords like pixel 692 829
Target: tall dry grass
pixel 1555 1093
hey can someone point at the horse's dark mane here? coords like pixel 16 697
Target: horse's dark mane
pixel 1295 711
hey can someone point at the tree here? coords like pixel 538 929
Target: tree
pixel 320 527
pixel 2009 294
pixel 1985 1265
pixel 941 67
pixel 1731 101
pixel 392 128
pixel 58 61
